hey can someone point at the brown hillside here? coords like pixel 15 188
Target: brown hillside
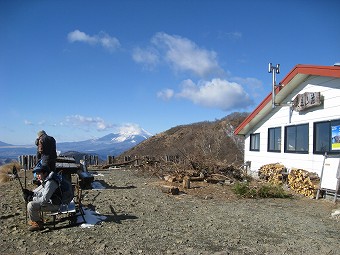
pixel 203 143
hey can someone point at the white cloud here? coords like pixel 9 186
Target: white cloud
pixel 129 129
pixel 146 56
pixel 180 53
pixel 251 82
pixel 216 93
pixel 103 39
pixel 78 36
pixel 88 122
pixel 185 55
pixel 165 94
pixel 253 85
pixel 28 123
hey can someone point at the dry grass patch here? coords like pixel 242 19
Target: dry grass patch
pixel 6 171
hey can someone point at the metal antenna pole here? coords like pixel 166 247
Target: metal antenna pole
pixel 274 70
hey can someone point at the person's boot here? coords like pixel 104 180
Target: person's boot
pixel 36 225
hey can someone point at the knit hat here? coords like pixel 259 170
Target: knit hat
pixel 41 132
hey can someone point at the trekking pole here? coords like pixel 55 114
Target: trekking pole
pixel 16 176
pixel 26 167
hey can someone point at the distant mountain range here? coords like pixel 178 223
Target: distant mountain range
pixel 111 144
pixel 4 144
pixel 202 143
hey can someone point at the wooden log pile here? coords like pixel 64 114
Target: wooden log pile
pixel 272 173
pixel 303 182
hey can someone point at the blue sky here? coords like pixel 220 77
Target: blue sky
pixel 84 69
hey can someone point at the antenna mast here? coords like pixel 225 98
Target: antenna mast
pixel 274 70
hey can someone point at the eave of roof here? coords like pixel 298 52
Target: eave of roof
pixel 300 72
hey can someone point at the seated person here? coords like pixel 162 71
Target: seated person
pixel 46 197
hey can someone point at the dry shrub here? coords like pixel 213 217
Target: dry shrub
pixel 4 178
pixel 6 171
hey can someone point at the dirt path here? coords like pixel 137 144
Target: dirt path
pixel 140 219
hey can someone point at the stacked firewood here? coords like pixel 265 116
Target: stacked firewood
pixel 303 182
pixel 272 173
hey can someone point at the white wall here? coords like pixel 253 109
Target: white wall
pixel 279 117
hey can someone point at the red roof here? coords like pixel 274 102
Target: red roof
pixel 330 71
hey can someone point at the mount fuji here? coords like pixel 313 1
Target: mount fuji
pixel 111 144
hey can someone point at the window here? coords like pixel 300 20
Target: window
pixel 327 137
pixel 296 139
pixel 255 142
pixel 274 139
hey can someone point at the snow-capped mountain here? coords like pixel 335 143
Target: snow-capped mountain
pixel 125 136
pixel 112 144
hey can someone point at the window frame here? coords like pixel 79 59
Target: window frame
pixel 328 136
pixel 277 140
pixel 254 145
pixel 297 135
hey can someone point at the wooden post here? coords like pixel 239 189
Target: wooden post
pixel 186 182
pixel 323 166
pixel 337 182
pixel 336 190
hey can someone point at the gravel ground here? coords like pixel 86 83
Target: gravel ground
pixel 206 219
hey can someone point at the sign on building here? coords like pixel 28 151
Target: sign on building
pixel 306 100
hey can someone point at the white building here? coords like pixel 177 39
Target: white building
pixel 303 124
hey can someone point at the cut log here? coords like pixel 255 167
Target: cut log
pixel 196 178
pixel 170 190
pixel 213 180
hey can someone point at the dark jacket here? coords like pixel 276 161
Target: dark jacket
pixel 47 146
pixel 47 151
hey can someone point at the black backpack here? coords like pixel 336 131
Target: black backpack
pixel 64 193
